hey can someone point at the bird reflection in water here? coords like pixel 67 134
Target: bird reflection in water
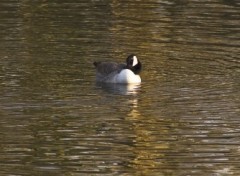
pixel 121 89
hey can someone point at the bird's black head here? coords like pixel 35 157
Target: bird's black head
pixel 134 64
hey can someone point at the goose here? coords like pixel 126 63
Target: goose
pixel 111 72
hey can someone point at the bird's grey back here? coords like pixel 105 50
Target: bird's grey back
pixel 105 71
pixel 106 68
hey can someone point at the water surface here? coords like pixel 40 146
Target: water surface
pixel 182 120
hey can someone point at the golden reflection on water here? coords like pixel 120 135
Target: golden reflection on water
pixel 147 151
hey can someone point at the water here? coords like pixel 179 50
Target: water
pixel 182 120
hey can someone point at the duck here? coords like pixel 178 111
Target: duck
pixel 122 73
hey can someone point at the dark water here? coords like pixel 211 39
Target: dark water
pixel 182 120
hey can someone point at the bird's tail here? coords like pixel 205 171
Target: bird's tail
pixel 96 64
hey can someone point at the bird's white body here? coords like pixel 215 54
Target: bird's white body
pixel 126 76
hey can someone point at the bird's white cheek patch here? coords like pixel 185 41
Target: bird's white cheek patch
pixel 135 61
